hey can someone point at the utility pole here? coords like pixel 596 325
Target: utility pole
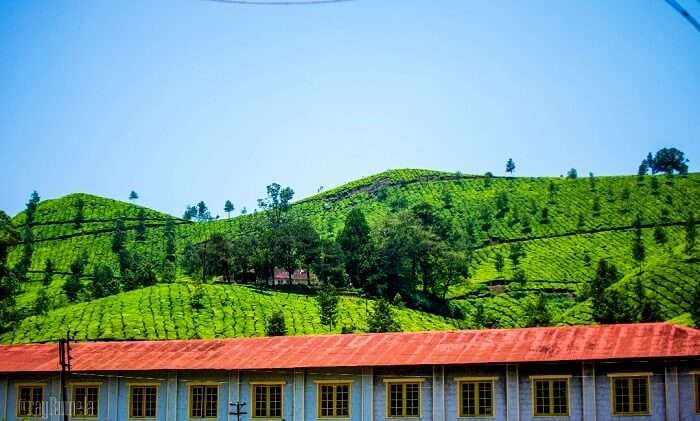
pixel 64 360
pixel 239 405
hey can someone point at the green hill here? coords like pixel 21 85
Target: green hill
pixel 164 311
pixel 563 225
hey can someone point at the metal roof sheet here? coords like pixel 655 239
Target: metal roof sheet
pixel 566 343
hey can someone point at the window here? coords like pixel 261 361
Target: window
pixel 85 400
pixel 334 400
pixel 550 397
pixel 267 400
pixel 630 395
pixel 204 401
pixel 476 398
pixel 142 401
pixel 30 400
pixel 403 400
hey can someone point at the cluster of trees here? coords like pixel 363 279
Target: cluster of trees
pixel 413 254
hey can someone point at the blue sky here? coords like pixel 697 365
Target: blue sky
pixel 187 100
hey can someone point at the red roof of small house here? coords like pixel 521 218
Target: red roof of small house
pixel 543 344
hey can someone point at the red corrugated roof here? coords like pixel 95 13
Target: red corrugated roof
pixel 568 343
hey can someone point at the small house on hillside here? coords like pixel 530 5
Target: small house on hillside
pixel 299 277
pixel 635 372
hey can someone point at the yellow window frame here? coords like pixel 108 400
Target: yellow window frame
pixel 205 385
pixel 475 381
pixel 132 386
pixel 550 380
pixel 75 386
pixel 334 385
pixel 403 383
pixel 32 386
pixel 629 379
pixel 267 386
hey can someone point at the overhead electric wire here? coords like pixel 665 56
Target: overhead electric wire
pixel 684 13
pixel 279 2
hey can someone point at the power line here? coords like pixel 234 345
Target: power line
pixel 279 3
pixel 684 13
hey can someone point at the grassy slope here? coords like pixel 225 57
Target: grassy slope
pixel 555 251
pixel 164 312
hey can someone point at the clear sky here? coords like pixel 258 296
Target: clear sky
pixel 188 100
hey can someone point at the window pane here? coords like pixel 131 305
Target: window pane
pixel 211 401
pixel 560 397
pixel 468 399
pixel 79 401
pixel 395 400
pixel 151 393
pixel 91 401
pixel 137 402
pixel 412 400
pixel 639 395
pixel 486 399
pixel 342 404
pixel 197 401
pixel 542 402
pixel 326 400
pixel 275 401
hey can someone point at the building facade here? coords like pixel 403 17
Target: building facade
pixel 621 372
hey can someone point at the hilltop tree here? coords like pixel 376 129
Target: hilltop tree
pixel 141 226
pixel 276 325
pixel 355 242
pixel 79 217
pixel 27 237
pixel 510 166
pixel 643 170
pixel 48 272
pixel 382 318
pixel 591 180
pixel 190 213
pixel 690 233
pixel 228 208
pixel 538 314
pixel 327 300
pixel 668 160
pixel 133 196
pixel 104 283
pixel 572 174
pixel 203 213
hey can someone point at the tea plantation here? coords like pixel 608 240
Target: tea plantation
pixel 562 226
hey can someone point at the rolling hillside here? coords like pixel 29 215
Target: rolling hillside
pixel 563 225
